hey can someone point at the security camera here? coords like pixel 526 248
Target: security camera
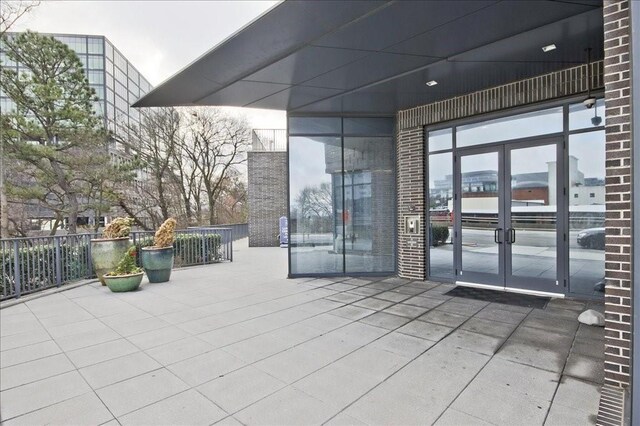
pixel 589 102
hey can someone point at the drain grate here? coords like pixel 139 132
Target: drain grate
pixel 494 296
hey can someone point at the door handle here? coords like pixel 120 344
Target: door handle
pixel 496 235
pixel 512 235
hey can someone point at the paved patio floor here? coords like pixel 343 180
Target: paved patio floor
pixel 240 344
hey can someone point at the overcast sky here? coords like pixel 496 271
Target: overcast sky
pixel 158 37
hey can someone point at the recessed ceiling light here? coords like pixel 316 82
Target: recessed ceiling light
pixel 548 48
pixel 431 83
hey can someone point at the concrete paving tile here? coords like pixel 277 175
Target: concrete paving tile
pixel 178 350
pixel 590 348
pixel 340 286
pixel 229 421
pixel 364 291
pixel 501 315
pixel 31 397
pixel 358 333
pixel 20 374
pixel 161 336
pixel 479 400
pixel 127 396
pixel 101 352
pixel 186 408
pixel 342 419
pixel 323 385
pixel 315 307
pixel 544 339
pixel 551 323
pixel 295 363
pixel 373 361
pixel 72 316
pixel 559 415
pixel 488 327
pixel 25 338
pixel 140 326
pixel 86 409
pixel 409 290
pixel 511 308
pixel 586 368
pixel 471 341
pixel 28 353
pixel 402 344
pixel 82 340
pixel 208 366
pixel 459 308
pixel 288 406
pixel 424 302
pixel 352 312
pixel 578 394
pixel 393 296
pixel 532 355
pixel 385 320
pixel 590 332
pixel 345 297
pixel 227 335
pixel 325 322
pixel 87 326
pixel 453 417
pixel 19 323
pixel 115 370
pixel 407 311
pixel 373 303
pixel 444 318
pixel 389 405
pixel 240 388
pixel 425 330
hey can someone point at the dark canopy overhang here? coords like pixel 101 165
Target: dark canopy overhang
pixel 374 57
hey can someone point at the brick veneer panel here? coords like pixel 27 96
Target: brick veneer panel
pixel 267 193
pixel 618 192
pixel 411 192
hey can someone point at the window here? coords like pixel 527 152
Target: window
pixel 583 118
pixel 95 62
pixel 95 45
pixel 440 140
pixel 96 77
pixel 592 195
pixel 315 125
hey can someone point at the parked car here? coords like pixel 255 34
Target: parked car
pixel 592 238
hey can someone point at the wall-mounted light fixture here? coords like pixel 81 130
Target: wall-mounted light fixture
pixel 431 83
pixel 549 48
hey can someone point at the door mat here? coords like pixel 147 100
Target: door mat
pixel 494 296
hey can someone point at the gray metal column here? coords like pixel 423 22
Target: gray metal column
pixel 634 24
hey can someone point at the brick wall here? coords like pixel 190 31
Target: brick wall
pixel 267 193
pixel 618 192
pixel 410 171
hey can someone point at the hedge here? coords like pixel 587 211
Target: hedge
pixel 439 234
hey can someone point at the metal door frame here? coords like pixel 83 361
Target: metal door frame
pixel 505 279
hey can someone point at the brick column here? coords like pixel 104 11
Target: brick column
pixel 618 192
pixel 411 192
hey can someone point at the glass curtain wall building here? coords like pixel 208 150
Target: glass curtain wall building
pixel 116 82
pixel 341 195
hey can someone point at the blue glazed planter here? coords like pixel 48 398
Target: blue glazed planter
pixel 157 263
pixel 120 283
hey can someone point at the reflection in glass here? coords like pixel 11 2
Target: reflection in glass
pixel 512 127
pixel 534 212
pixel 368 126
pixel 315 125
pixel 440 140
pixel 315 197
pixel 441 215
pixel 369 198
pixel 479 212
pixel 586 212
pixel 583 118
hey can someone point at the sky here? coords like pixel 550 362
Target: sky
pixel 158 37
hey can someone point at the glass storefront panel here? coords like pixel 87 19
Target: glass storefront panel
pixel 583 118
pixel 440 140
pixel 441 216
pixel 369 199
pixel 315 125
pixel 368 126
pixel 586 213
pixel 513 127
pixel 316 231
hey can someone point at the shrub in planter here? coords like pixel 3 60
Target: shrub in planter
pixel 439 234
pixel 127 276
pixel 157 260
pixel 107 251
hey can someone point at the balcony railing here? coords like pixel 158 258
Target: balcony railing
pixel 28 265
pixel 269 140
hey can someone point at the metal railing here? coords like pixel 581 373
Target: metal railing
pixel 240 230
pixel 268 140
pixel 29 265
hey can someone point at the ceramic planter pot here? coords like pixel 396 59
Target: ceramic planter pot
pixel 120 283
pixel 106 253
pixel 157 263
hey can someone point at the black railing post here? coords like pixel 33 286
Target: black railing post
pixel 230 244
pixel 58 262
pixel 204 259
pixel 16 270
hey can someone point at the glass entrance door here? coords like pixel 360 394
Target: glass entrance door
pixel 507 232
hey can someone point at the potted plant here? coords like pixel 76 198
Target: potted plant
pixel 127 276
pixel 157 260
pixel 107 251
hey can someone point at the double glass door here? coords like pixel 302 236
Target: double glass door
pixel 507 233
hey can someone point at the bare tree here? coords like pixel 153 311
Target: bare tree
pixel 11 11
